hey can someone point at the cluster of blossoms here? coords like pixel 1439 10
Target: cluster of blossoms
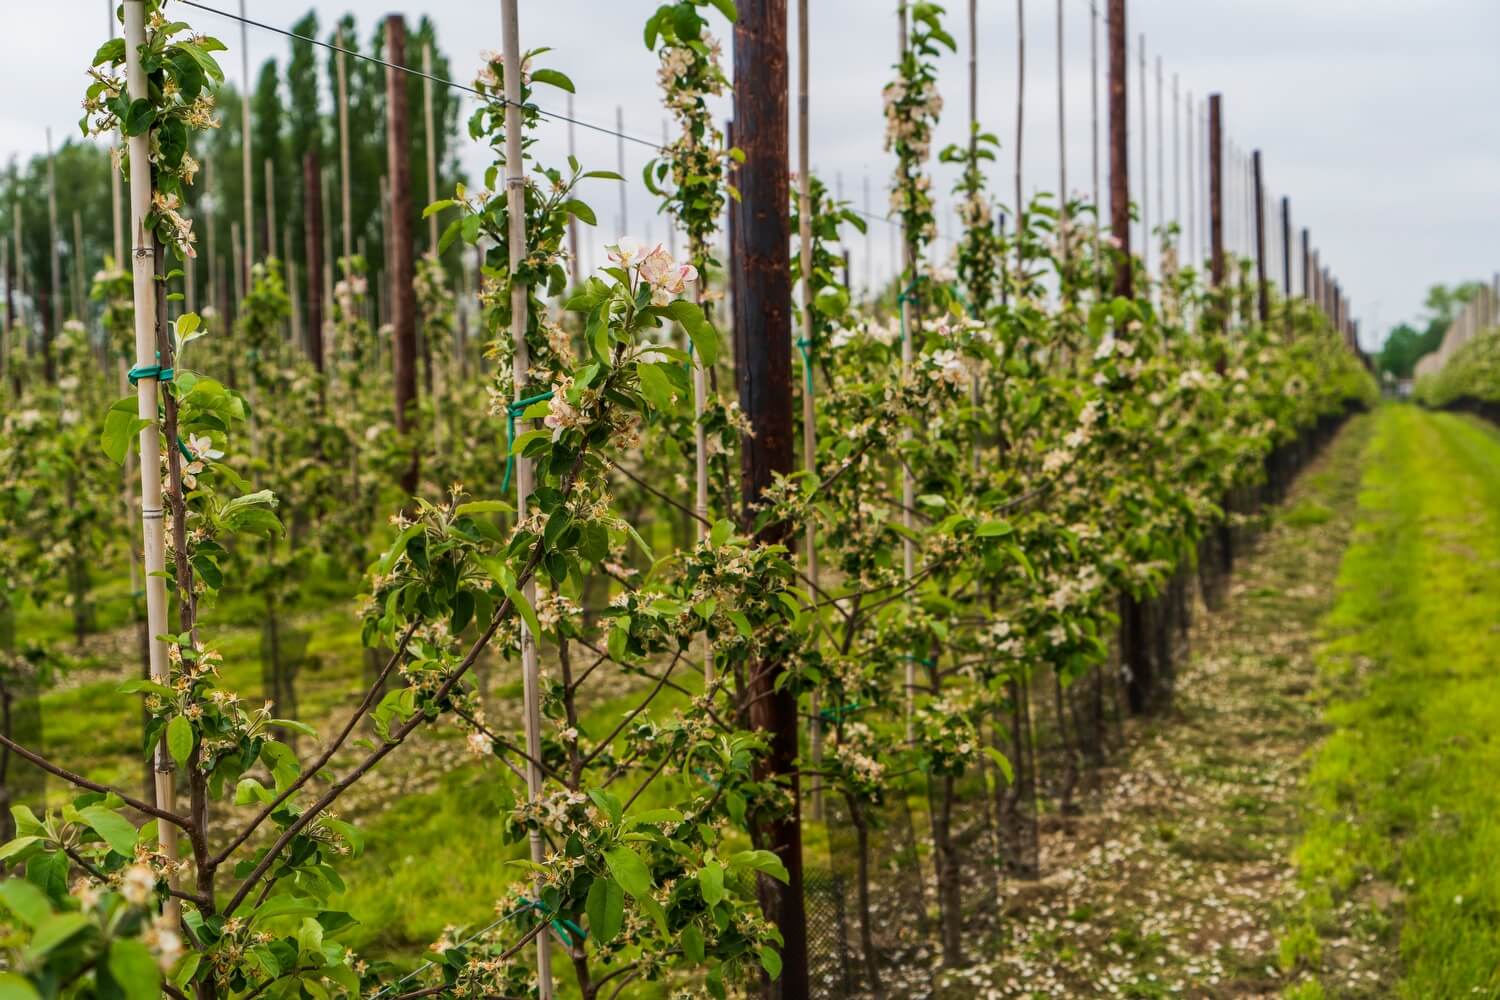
pixel 667 278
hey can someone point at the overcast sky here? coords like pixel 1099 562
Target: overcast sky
pixel 1376 117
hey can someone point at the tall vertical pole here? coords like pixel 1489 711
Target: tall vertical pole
pixel 430 133
pixel 1161 147
pixel 346 218
pixel 620 164
pixel 398 241
pixel 144 300
pixel 1286 251
pixel 763 329
pixel 54 286
pixel 1145 164
pixel 1191 232
pixel 1020 127
pixel 312 206
pixel 116 196
pixel 247 160
pixel 270 171
pixel 1263 284
pixel 1094 130
pixel 1306 264
pixel 1119 149
pixel 78 279
pixel 1062 140
pixel 515 193
pixel 906 278
pixel 809 412
pixel 575 266
pixel 1216 188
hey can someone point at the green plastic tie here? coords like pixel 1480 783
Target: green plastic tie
pixel 512 412
pixel 155 371
pixel 566 930
pixel 841 712
pixel 804 347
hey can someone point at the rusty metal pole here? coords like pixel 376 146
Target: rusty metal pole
pixel 1263 285
pixel 403 305
pixel 1119 149
pixel 1216 188
pixel 763 332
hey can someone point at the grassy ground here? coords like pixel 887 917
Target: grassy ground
pixel 1174 879
pixel 1404 830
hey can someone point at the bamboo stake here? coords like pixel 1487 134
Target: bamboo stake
pixel 1145 169
pixel 908 484
pixel 515 189
pixel 116 198
pixel 398 241
pixel 246 157
pixel 1161 150
pixel 1020 123
pixel 54 263
pixel 431 135
pixel 1192 184
pixel 1062 141
pixel 144 300
pixel 620 161
pixel 809 412
pixel 344 172
pixel 574 264
pixel 270 173
pixel 78 265
pixel 1176 153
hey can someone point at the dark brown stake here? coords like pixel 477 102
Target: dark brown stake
pixel 1119 149
pixel 1216 188
pixel 1306 265
pixel 399 241
pixel 763 335
pixel 312 206
pixel 1263 283
pixel 1286 261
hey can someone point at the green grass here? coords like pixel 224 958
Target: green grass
pixel 1404 795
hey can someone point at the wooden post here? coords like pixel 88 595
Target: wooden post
pixel 1161 148
pixel 1263 284
pixel 1145 166
pixel 345 218
pixel 398 240
pixel 515 192
pixel 312 209
pixel 54 319
pixel 430 126
pixel 620 164
pixel 1062 139
pixel 1192 185
pixel 209 197
pixel 809 411
pixel 1119 149
pixel 270 172
pixel 246 158
pixel 1306 265
pixel 1216 188
pixel 144 301
pixel 78 271
pixel 1094 132
pixel 1176 156
pixel 575 266
pixel 763 329
pixel 1020 126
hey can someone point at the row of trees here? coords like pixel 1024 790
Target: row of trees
pixel 994 468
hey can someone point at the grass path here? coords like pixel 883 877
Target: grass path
pixel 1401 859
pixel 1175 880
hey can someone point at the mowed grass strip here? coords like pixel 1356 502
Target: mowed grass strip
pixel 1400 859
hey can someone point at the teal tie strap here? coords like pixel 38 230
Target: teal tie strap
pixel 840 713
pixel 155 371
pixel 566 930
pixel 512 412
pixel 804 347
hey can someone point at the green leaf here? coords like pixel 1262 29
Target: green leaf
pixel 18 845
pixel 581 211
pixel 295 726
pixel 629 870
pixel 770 961
pixel 133 967
pixel 606 909
pixel 656 386
pixel 993 529
pixel 761 861
pixel 117 831
pixel 121 427
pixel 1003 763
pixel 704 337
pixel 26 901
pixel 482 507
pixel 139 118
pixel 437 207
pixel 16 987
pixel 180 739
pixel 711 882
pixel 55 930
pixel 552 78
pixel 112 51
pixel 692 943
